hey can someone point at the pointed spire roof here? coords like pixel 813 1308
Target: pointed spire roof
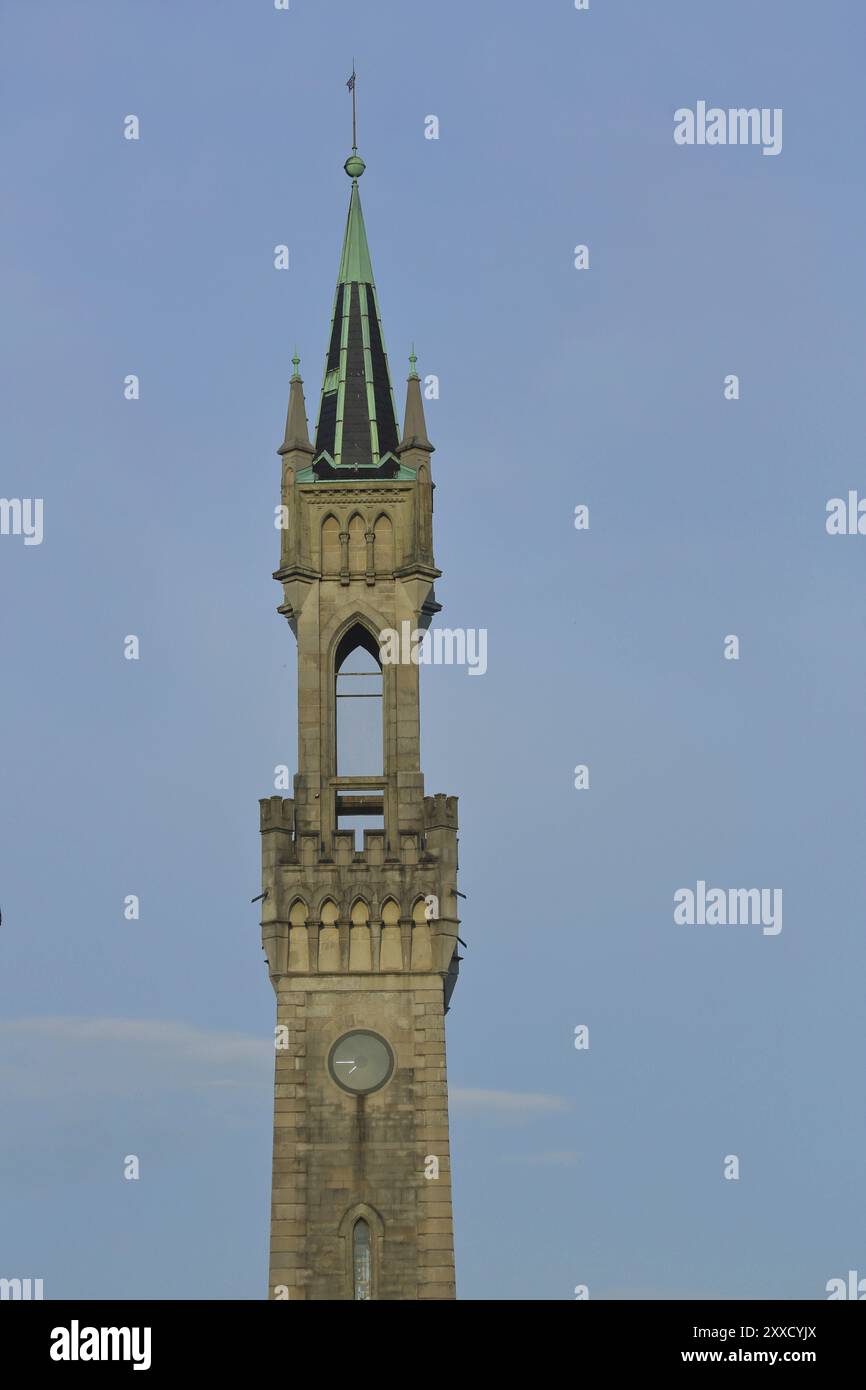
pixel 356 432
pixel 297 433
pixel 355 263
pixel 414 424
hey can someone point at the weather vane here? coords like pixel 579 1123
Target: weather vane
pixel 351 85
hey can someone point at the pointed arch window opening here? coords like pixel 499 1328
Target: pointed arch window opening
pixel 359 729
pixel 362 1261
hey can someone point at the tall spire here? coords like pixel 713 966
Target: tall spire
pixel 356 432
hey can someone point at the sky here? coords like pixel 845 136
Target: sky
pixel 604 1166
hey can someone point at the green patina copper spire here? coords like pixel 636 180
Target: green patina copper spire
pixel 356 432
pixel 355 263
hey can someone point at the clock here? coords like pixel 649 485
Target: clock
pixel 361 1062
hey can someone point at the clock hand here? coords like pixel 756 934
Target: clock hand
pixel 349 1063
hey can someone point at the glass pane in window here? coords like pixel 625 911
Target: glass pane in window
pixel 362 1260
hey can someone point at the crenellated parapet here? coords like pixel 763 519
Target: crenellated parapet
pixel 343 910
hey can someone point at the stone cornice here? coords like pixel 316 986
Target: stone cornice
pixel 320 492
pixel 417 570
pixel 302 572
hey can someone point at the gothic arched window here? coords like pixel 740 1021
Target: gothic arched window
pixel 359 706
pixel 361 1233
pixel 362 1260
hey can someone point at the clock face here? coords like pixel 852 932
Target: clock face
pixel 361 1062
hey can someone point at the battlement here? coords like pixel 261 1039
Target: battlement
pixel 440 810
pixel 277 813
pixel 277 821
pixel 329 908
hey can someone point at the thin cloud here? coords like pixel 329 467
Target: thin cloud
pixel 47 1057
pixel 505 1103
pixel 61 1056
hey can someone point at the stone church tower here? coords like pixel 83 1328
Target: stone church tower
pixel 361 939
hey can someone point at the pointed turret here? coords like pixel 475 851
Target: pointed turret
pixel 356 432
pixel 414 425
pixel 297 432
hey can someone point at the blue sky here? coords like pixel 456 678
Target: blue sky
pixel 604 387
